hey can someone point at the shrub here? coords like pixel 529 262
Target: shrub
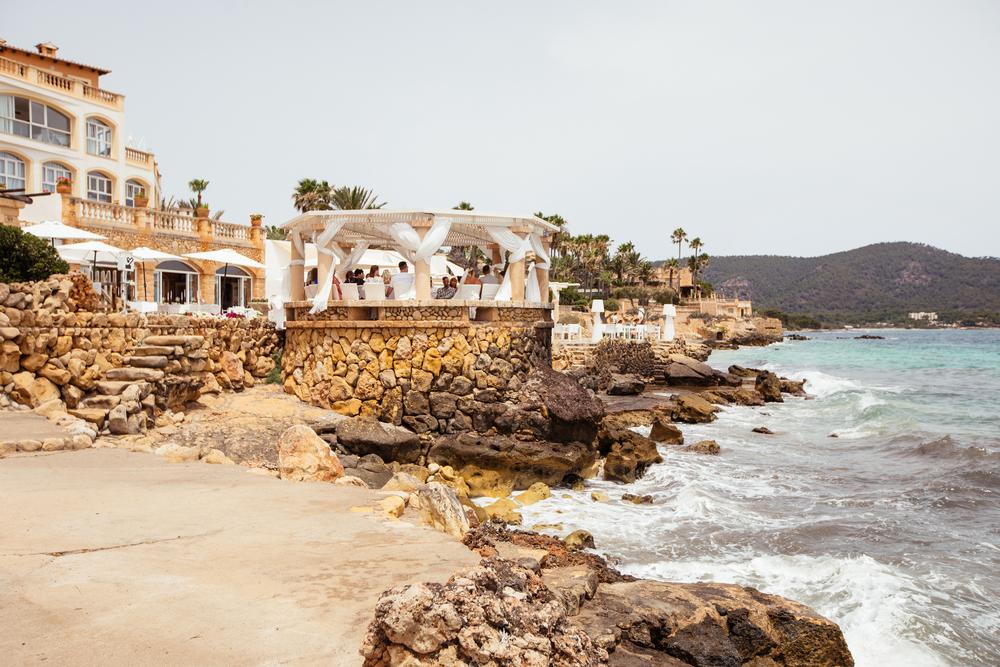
pixel 24 257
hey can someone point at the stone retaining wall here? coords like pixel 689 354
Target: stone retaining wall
pixel 430 376
pixel 53 345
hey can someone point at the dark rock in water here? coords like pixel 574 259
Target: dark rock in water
pixel 659 623
pixel 763 429
pixel 627 454
pixel 869 337
pixel 796 337
pixel 625 385
pixel 710 447
pixel 637 500
pixel 769 386
pixel 495 464
pixel 665 432
pixel 367 435
pixel 692 409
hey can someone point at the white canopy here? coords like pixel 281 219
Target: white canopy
pixel 226 256
pixel 90 251
pixel 53 229
pixel 144 254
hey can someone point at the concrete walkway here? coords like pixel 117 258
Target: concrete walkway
pixel 109 557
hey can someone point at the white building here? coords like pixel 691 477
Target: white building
pixel 56 122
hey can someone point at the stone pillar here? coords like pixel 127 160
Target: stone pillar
pixel 423 271
pixel 296 269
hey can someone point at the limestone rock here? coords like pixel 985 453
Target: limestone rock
pixel 304 456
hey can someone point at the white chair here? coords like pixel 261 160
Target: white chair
pixel 469 292
pixel 350 291
pixel 404 287
pixel 490 291
pixel 375 290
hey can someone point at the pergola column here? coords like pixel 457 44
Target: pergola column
pixel 543 276
pixel 422 269
pixel 296 269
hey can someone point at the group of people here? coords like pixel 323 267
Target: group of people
pixel 449 285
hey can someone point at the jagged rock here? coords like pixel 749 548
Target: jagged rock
pixel 665 431
pixel 769 386
pixel 498 613
pixel 625 385
pixel 304 456
pixel 692 409
pixel 440 508
pixel 493 465
pixel 367 435
pixel 658 623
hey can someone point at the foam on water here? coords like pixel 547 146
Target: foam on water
pixel 890 529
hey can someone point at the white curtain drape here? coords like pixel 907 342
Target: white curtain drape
pixel 323 246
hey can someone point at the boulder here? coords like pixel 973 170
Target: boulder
pixel 497 613
pixel 769 386
pixel 665 431
pixel 367 435
pixel 659 623
pixel 493 465
pixel 625 385
pixel 441 509
pixel 304 456
pixel 693 409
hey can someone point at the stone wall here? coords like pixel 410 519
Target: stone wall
pixel 428 377
pixel 53 344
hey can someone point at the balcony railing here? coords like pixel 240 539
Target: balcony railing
pixel 61 84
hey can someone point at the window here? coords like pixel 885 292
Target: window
pixel 51 173
pixel 11 172
pixel 26 118
pixel 98 138
pixel 98 187
pixel 132 190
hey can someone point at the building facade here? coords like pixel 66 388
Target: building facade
pixel 61 133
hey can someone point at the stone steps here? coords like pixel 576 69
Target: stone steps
pixel 152 361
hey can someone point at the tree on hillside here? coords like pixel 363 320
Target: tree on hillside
pixel 678 236
pixel 26 257
pixel 312 195
pixel 355 199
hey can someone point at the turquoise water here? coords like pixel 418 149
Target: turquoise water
pixel 892 528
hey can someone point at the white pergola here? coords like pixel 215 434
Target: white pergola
pixel 341 238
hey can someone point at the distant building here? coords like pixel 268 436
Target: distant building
pixel 926 317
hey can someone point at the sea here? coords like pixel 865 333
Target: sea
pixel 891 528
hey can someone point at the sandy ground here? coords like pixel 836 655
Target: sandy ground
pixel 111 557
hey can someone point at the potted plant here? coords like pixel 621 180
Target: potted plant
pixel 199 185
pixel 141 199
pixel 64 185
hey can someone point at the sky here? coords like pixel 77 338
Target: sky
pixel 763 127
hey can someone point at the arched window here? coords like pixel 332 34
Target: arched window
pixel 133 189
pixel 98 187
pixel 11 171
pixel 51 173
pixel 26 118
pixel 98 137
pixel 175 282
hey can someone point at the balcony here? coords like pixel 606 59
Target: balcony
pixel 61 84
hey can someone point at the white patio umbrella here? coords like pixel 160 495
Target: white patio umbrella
pixel 53 229
pixel 226 257
pixel 143 255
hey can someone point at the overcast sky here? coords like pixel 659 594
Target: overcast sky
pixel 763 127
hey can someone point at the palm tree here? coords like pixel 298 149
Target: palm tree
pixel 312 195
pixel 678 236
pixel 198 185
pixel 355 199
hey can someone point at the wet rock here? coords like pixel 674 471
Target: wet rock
pixel 367 435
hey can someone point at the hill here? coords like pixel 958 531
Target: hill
pixel 879 282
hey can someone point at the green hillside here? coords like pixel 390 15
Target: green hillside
pixel 878 282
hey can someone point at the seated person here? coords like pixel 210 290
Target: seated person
pixel 488 277
pixel 446 291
